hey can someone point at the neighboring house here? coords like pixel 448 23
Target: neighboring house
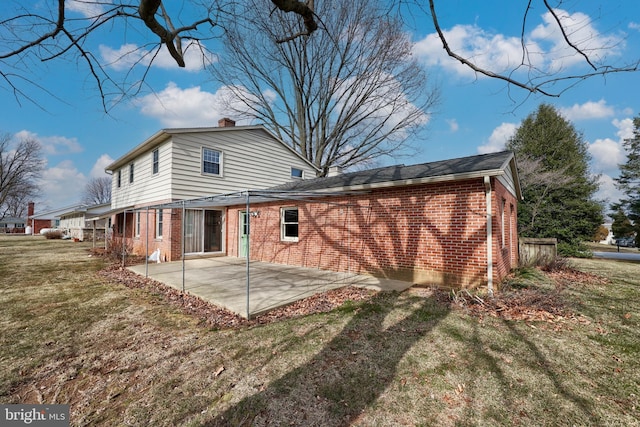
pixel 76 223
pixel 12 225
pixel 183 164
pixel 451 222
pixel 609 240
pixel 47 219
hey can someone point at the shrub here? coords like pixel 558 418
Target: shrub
pixel 53 234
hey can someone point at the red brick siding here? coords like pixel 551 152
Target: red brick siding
pixel 426 234
pixel 170 244
pixel 505 255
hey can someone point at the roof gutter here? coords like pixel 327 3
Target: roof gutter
pixel 487 193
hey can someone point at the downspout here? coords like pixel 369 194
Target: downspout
pixel 487 194
pixel 248 216
pixel 184 235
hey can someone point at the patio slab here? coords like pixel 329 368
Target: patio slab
pixel 223 282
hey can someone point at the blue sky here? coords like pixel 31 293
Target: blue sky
pixel 476 114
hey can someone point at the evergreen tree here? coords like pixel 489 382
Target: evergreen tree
pixel 629 180
pixel 557 187
pixel 621 226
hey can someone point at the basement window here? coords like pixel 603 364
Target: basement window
pixel 289 224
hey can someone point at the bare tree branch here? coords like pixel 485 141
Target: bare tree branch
pixel 305 9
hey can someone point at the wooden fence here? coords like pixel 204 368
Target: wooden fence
pixel 537 252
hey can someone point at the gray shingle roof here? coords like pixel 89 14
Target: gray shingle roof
pixel 460 166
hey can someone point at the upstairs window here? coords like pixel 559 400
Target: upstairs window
pixel 297 173
pixel 131 173
pixel 289 224
pixel 119 178
pixel 211 161
pixel 156 161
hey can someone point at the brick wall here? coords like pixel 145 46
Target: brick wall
pixel 430 234
pixel 146 242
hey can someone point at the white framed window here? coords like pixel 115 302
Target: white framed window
pixel 159 223
pixel 155 162
pixel 131 173
pixel 289 224
pixel 119 178
pixel 137 228
pixel 211 162
pixel 297 173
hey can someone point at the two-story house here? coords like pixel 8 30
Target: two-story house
pixel 184 164
pixel 239 191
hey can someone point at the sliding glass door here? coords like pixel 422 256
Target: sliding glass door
pixel 203 231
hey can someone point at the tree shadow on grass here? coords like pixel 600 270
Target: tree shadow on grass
pixel 349 374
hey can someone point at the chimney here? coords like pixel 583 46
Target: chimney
pixel 226 123
pixel 334 171
pixel 30 209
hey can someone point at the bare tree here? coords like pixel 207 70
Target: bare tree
pixel 339 100
pixel 32 33
pixel 534 176
pixel 20 166
pixel 97 191
pixel 546 82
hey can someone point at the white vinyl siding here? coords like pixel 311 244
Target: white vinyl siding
pixel 251 159
pixel 147 186
pixel 507 180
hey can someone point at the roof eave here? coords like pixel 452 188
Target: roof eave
pixel 417 181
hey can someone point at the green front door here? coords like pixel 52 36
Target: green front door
pixel 244 235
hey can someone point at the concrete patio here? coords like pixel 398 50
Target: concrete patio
pixel 223 282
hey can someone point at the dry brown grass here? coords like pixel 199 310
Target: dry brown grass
pixel 127 356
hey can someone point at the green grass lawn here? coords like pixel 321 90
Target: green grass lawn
pixel 123 356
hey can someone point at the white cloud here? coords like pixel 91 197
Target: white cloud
pixel 453 125
pixel 546 50
pixel 491 51
pixel 588 110
pixel 52 145
pixel 127 56
pixel 608 191
pixel 498 139
pixel 97 171
pixel 62 185
pixel 607 154
pixel 177 107
pixel 88 9
pixel 580 31
pixel 625 128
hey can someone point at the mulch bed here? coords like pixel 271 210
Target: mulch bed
pixel 531 304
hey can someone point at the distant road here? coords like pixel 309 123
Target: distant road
pixel 618 255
